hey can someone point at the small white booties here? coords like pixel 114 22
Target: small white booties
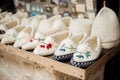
pixel 68 46
pixel 87 52
pixel 24 36
pixel 51 43
pixel 80 25
pixel 106 25
pixel 11 34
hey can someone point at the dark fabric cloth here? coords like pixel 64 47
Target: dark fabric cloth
pixel 7 5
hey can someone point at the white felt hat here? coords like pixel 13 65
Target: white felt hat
pixel 106 25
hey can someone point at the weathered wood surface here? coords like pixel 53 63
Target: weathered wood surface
pixel 16 64
pixel 106 56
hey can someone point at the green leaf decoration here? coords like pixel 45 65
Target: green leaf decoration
pixel 14 35
pixel 88 54
pixel 80 56
pixel 62 48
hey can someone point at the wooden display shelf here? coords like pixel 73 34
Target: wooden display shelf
pixel 17 64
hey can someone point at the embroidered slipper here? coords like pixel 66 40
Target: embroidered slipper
pixel 4 19
pixel 11 34
pixel 11 21
pixel 32 43
pixel 87 52
pixel 6 26
pixel 24 36
pixel 68 46
pixel 51 43
pixel 43 28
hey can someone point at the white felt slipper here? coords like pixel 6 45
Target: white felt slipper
pixel 6 26
pixel 51 43
pixel 11 35
pixel 24 36
pixel 68 46
pixel 45 27
pixel 87 52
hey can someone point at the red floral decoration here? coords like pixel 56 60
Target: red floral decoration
pixel 49 45
pixel 42 46
pixel 31 40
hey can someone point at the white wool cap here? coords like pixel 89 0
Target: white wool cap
pixel 80 25
pixel 106 25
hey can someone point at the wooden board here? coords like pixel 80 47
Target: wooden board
pixel 24 65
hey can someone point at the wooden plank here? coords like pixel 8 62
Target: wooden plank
pixel 97 75
pixel 17 68
pixel 61 70
pixel 46 62
pixel 107 55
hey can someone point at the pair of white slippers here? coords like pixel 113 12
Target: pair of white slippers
pixel 46 28
pixel 20 34
pixel 50 44
pixel 79 49
pixel 10 21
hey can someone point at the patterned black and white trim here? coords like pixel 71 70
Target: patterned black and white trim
pixel 2 32
pixel 82 64
pixel 62 58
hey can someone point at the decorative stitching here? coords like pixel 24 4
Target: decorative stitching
pixel 87 54
pixel 45 45
pixel 63 48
